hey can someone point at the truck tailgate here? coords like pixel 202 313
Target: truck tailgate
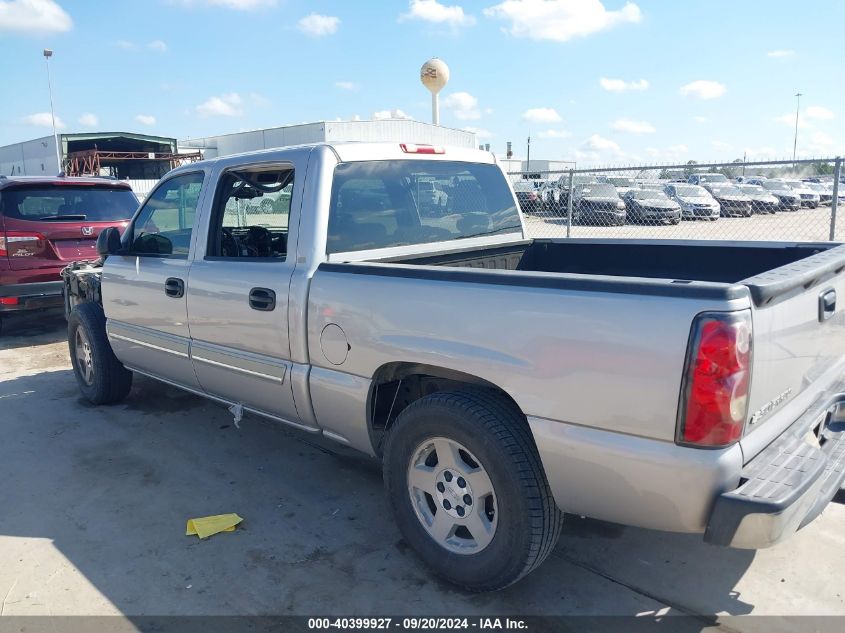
pixel 798 342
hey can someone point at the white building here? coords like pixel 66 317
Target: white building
pixel 398 130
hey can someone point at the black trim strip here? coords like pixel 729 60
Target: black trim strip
pixel 32 290
pixel 557 281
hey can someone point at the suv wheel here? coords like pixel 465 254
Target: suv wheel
pixel 468 490
pixel 100 376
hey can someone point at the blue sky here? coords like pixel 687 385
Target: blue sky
pixel 597 81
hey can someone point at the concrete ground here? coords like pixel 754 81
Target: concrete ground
pixel 93 505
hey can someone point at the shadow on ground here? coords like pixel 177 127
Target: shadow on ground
pixel 108 490
pixel 25 329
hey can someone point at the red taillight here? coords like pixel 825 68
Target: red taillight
pixel 718 374
pixel 8 301
pixel 21 244
pixel 412 148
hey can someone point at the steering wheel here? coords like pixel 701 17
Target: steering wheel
pixel 258 242
pixel 229 246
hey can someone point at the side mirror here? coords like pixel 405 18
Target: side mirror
pixel 108 242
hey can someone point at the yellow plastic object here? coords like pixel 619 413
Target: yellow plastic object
pixel 208 526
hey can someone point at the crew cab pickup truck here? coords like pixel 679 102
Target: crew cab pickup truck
pixel 502 381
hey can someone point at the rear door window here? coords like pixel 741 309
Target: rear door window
pixel 379 204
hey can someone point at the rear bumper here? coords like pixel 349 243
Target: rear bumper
pixel 788 484
pixel 34 296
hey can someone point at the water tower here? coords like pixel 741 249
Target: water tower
pixel 434 74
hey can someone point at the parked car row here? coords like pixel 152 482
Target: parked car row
pixel 615 200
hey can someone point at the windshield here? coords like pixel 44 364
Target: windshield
pixel 773 185
pixel 796 184
pixel 726 190
pixel 649 194
pixel 691 191
pixel 376 204
pixel 713 178
pixel 68 203
pixel 597 189
pixel 620 181
pixel 754 190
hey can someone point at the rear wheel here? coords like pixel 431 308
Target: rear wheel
pixel 100 375
pixel 468 490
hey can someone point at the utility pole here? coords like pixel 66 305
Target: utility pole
pixel 47 55
pixel 798 96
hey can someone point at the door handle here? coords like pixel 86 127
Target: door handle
pixel 174 287
pixel 262 299
pixel 827 304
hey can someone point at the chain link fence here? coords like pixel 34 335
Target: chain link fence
pixel 767 200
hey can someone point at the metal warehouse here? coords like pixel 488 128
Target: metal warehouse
pixel 123 155
pixel 398 130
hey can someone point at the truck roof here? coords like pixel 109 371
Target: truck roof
pixel 10 181
pixel 352 151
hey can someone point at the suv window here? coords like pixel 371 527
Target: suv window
pixel 68 203
pixel 166 221
pixel 251 214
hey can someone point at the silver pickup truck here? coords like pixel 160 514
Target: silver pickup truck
pixel 682 386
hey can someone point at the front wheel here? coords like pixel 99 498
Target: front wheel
pixel 100 376
pixel 468 490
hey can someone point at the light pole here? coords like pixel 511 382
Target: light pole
pixel 48 53
pixel 798 96
pixel 528 158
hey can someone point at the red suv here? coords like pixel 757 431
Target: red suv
pixel 46 223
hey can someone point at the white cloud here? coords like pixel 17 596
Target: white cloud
pixel 781 53
pixel 382 115
pixel 552 133
pixel 433 11
pixel 158 46
pixel 633 127
pixel 598 143
pixel 126 45
pixel 675 150
pixel 720 145
pixel 89 120
pixel 703 89
pixel 818 112
pixel 480 133
pixel 316 25
pixel 228 104
pixel 146 119
pixel 620 85
pixel 542 115
pixel 463 105
pixel 346 85
pixel 259 100
pixel 700 119
pixel 821 139
pixel 34 17
pixel 43 119
pixel 560 20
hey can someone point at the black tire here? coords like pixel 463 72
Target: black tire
pixel 495 432
pixel 109 381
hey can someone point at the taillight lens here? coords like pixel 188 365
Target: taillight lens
pixel 21 244
pixel 413 148
pixel 714 404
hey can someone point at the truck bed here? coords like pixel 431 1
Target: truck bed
pixel 688 261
